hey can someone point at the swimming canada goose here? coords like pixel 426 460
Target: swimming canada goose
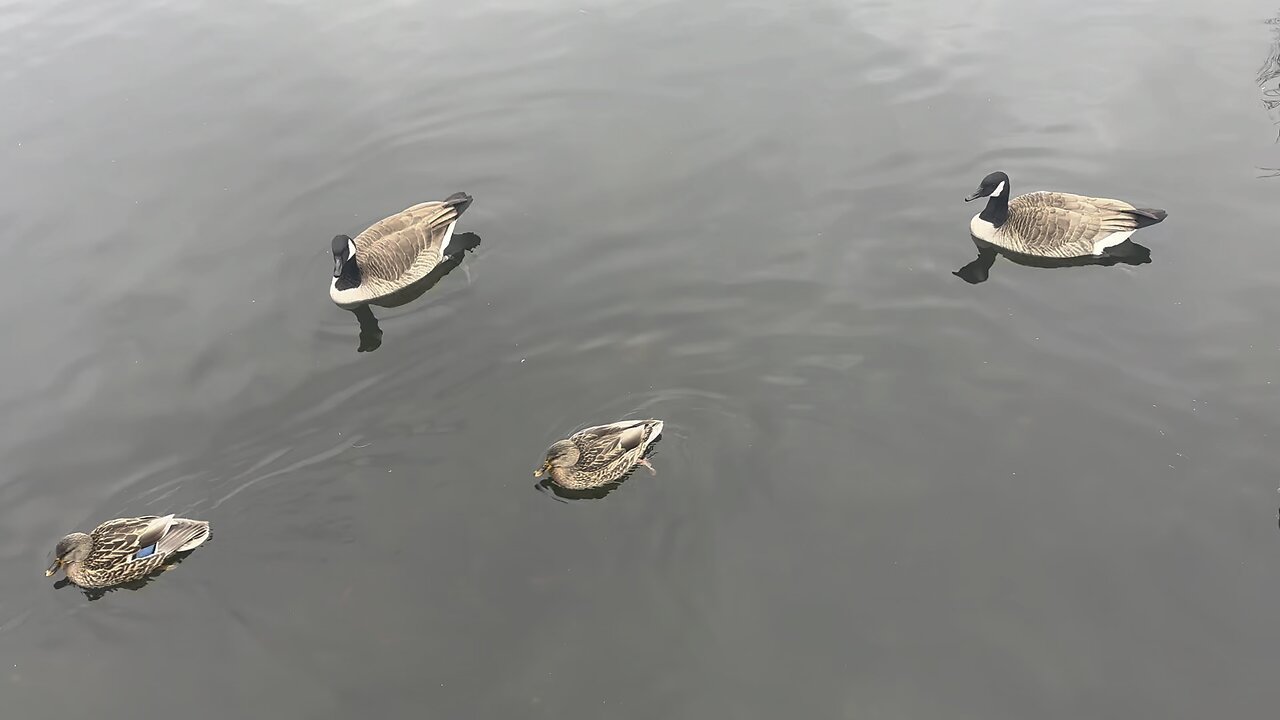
pixel 125 549
pixel 1054 224
pixel 596 456
pixel 394 252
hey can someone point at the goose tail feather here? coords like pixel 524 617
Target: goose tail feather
pixel 1149 216
pixel 459 201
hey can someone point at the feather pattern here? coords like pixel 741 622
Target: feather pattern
pixel 1057 224
pixel 399 250
pixel 604 453
pixel 116 548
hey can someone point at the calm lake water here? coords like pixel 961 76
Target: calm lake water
pixel 883 492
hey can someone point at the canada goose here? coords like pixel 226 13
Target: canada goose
pixel 1054 224
pixel 596 456
pixel 126 549
pixel 394 252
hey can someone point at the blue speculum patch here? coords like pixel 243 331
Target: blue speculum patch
pixel 144 552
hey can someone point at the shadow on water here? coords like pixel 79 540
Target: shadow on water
pixel 97 593
pixel 978 269
pixel 597 493
pixel 371 332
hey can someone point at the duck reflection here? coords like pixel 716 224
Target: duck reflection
pixel 371 332
pixel 977 271
pixel 598 493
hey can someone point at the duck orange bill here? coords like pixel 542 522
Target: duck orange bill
pixel 53 568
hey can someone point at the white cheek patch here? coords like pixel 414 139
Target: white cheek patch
pixel 351 249
pixel 999 189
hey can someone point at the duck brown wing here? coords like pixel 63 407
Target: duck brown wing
pixel 631 438
pixel 613 439
pixel 121 538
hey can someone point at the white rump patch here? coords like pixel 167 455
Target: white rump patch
pixel 448 236
pixel 1111 240
pixel 999 189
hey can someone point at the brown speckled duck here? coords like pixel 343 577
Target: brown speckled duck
pixel 600 455
pixel 126 549
pixel 394 252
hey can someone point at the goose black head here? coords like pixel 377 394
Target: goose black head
pixel 343 251
pixel 994 185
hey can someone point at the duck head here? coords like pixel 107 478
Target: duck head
pixel 71 549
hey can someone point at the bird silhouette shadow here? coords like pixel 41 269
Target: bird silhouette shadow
pixel 979 269
pixel 564 494
pixel 371 332
pixel 133 585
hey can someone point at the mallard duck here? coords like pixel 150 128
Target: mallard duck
pixel 1054 224
pixel 126 549
pixel 600 455
pixel 394 253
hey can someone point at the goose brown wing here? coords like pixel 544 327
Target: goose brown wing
pixel 390 247
pixel 1063 224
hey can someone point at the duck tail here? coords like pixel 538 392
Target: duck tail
pixel 1148 216
pixel 184 535
pixel 654 428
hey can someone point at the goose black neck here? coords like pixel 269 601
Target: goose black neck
pixel 350 276
pixel 997 210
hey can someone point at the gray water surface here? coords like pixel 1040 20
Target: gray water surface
pixel 883 492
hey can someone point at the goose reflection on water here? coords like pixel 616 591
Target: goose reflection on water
pixel 371 332
pixel 977 270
